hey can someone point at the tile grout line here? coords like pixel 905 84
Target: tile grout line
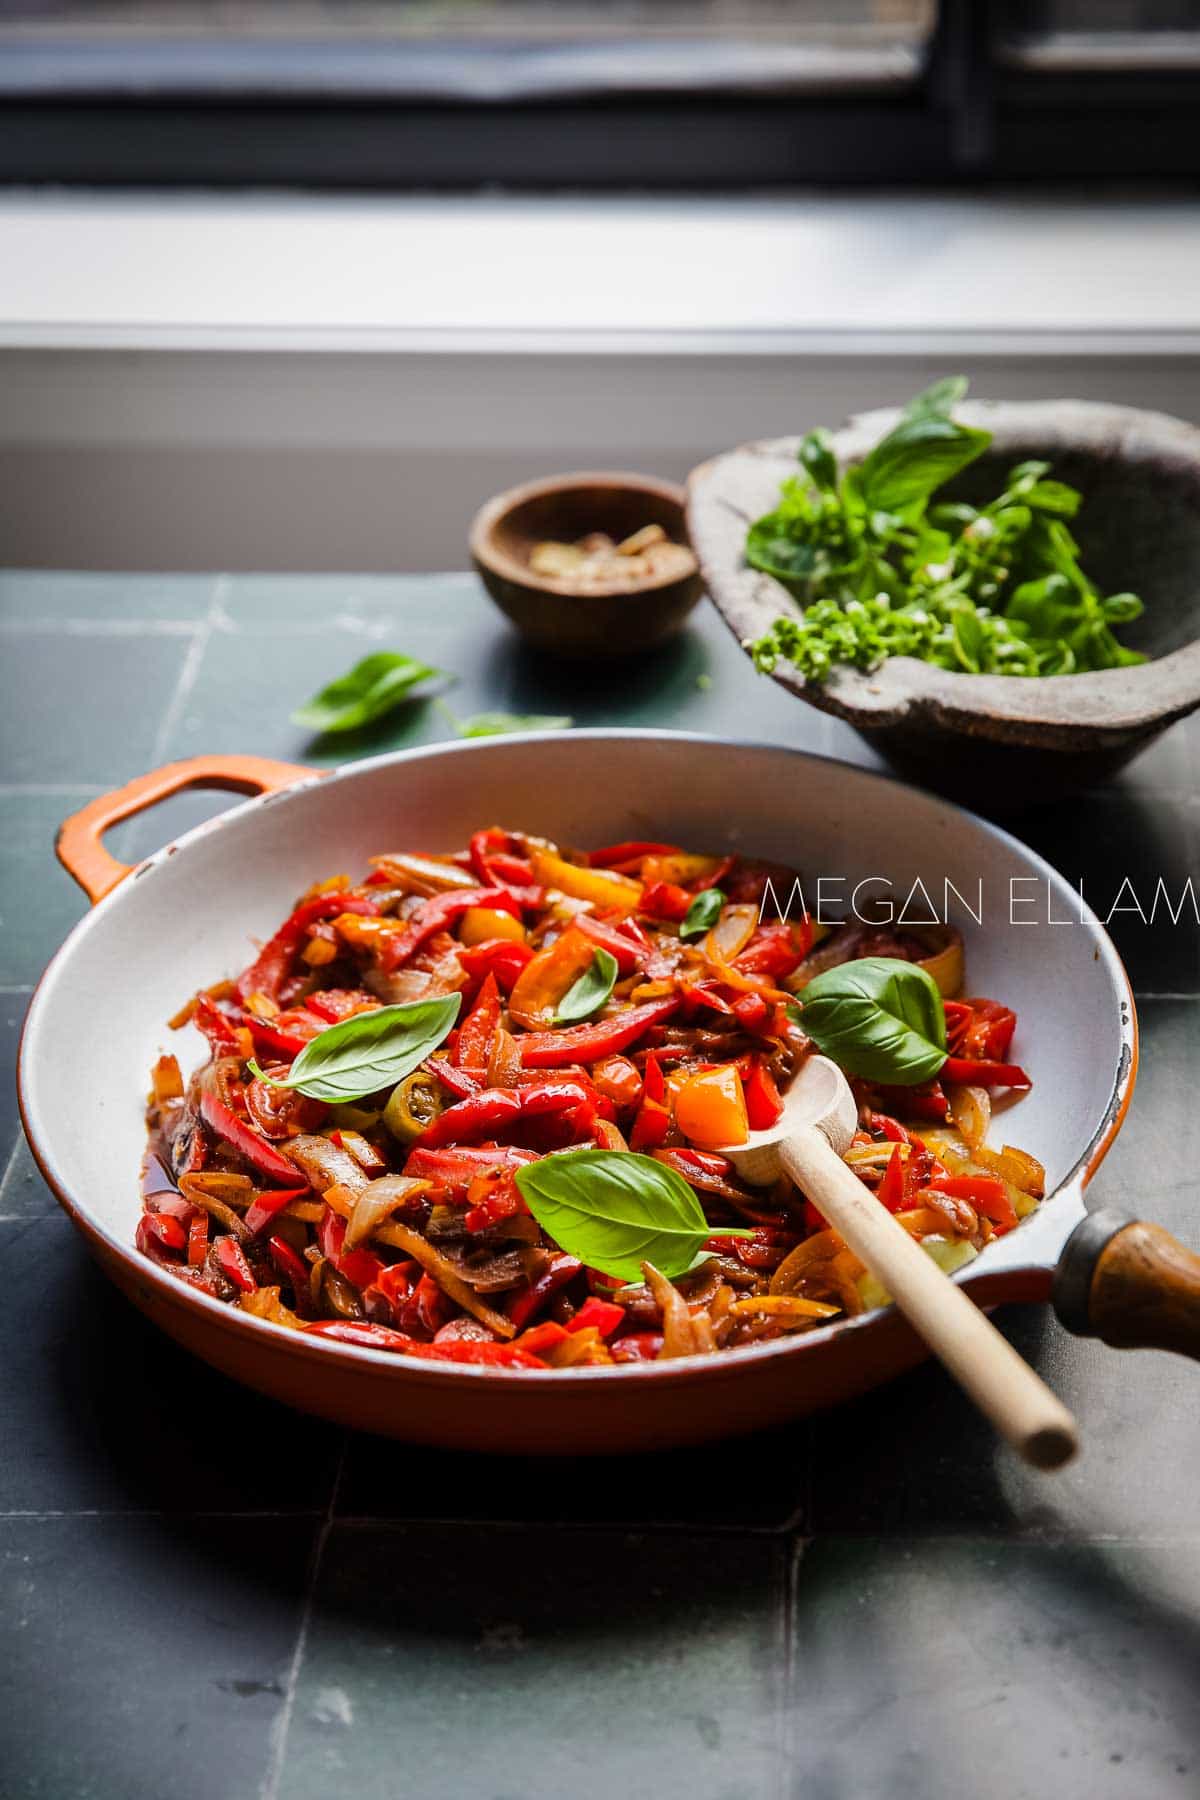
pixel 9 1166
pixel 201 636
pixel 281 1728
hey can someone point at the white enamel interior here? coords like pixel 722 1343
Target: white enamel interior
pixel 191 915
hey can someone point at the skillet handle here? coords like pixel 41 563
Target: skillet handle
pixel 80 843
pixel 1130 1283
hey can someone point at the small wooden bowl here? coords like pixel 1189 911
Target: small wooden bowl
pixel 564 508
pixel 993 740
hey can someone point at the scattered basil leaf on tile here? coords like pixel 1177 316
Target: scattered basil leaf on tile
pixel 499 724
pixel 370 1051
pixel 588 994
pixel 702 914
pixel 617 1209
pixel 879 1018
pixel 365 693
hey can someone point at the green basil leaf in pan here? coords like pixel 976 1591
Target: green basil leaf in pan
pixel 879 1018
pixel 587 995
pixel 702 914
pixel 365 693
pixel 370 1051
pixel 617 1209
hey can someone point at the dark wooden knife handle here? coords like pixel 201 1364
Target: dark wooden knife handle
pixel 1130 1283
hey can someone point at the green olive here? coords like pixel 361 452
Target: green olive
pixel 413 1105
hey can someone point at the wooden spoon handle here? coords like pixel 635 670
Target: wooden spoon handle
pixel 1130 1283
pixel 1004 1387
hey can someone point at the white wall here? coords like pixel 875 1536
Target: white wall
pixel 338 384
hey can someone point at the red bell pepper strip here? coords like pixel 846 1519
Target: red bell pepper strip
pixel 928 1101
pixel 637 1346
pixel 453 1171
pixel 197 1244
pixel 986 1193
pixel 989 1031
pixel 260 1212
pixel 293 1268
pixel 627 955
pixel 632 851
pixel 651 1126
pixel 168 1231
pixel 985 1074
pixel 705 1170
pixel 501 957
pixel 543 1337
pixel 617 1080
pixel 775 950
pixel 751 1012
pixel 335 1004
pixel 359 1266
pixel 666 900
pixel 958 1017
pixel 254 1149
pixel 477 1034
pixel 890 1191
pixel 492 858
pixel 561 1269
pixel 217 1027
pixel 455 1081
pixel 602 1315
pixel 269 1039
pixel 493 1197
pixel 542 1097
pixel 233 1264
pixel 273 964
pixel 891 1128
pixel 466 1350
pixel 655 1081
pixel 764 1107
pixel 585 1043
pixel 479 1115
pixel 442 910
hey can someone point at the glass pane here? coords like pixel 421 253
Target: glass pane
pixel 1102 35
pixel 482 49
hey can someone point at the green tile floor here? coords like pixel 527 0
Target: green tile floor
pixel 204 1597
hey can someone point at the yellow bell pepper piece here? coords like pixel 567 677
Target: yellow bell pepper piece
pixel 480 924
pixel 607 891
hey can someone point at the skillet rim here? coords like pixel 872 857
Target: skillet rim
pixel 678 1371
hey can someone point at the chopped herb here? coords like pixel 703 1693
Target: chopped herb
pixel 882 569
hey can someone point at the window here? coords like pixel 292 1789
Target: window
pixel 595 93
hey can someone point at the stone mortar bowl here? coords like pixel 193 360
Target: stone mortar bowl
pixel 1001 740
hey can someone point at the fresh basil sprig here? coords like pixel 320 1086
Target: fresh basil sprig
pixel 370 1051
pixel 878 1018
pixel 616 1210
pixel 364 693
pixel 884 565
pixel 702 914
pixel 588 994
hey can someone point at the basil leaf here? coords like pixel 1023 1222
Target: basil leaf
pixel 370 1051
pixel 702 914
pixel 878 1018
pixel 365 693
pixel 590 992
pixel 915 459
pixel 938 400
pixel 816 454
pixel 616 1210
pixel 497 724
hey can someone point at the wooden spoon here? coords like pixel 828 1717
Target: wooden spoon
pixel 807 1143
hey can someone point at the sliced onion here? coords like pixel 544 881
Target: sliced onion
pixel 971 1110
pixel 423 874
pixel 445 1274
pixel 731 933
pixel 378 1202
